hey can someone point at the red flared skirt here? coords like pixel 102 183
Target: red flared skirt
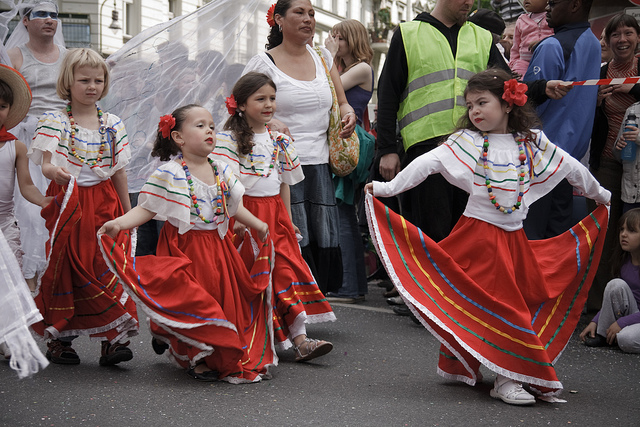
pixel 202 301
pixel 295 291
pixel 77 294
pixel 491 296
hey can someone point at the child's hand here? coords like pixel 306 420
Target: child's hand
pixel 46 201
pixel 368 188
pixel 630 135
pixel 263 232
pixel 61 176
pixel 590 330
pixel 612 331
pixel 110 228
pixel 239 229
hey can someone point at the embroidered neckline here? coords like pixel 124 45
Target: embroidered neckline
pixel 219 203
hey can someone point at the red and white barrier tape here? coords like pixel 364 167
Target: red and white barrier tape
pixel 600 82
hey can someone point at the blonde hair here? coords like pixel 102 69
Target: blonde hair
pixel 79 57
pixel 357 38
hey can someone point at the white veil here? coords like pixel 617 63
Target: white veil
pixel 17 312
pixel 194 58
pixel 19 36
pixel 5 17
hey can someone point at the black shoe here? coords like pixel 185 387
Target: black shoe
pixel 597 341
pixel 206 376
pixel 112 354
pixel 159 347
pixel 414 318
pixel 401 310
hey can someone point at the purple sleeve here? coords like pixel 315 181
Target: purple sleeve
pixel 596 317
pixel 629 320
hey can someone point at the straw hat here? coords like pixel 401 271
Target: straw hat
pixel 21 95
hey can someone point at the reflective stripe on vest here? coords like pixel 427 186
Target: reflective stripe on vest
pixel 433 100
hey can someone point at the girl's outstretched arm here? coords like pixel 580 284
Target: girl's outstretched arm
pixel 135 217
pixel 248 219
pixel 27 188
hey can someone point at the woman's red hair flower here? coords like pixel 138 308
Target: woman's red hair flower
pixel 231 105
pixel 271 20
pixel 166 124
pixel 515 92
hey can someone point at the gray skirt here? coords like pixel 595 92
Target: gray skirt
pixel 315 213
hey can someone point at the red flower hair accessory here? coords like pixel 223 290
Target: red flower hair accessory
pixel 514 92
pixel 167 123
pixel 231 105
pixel 271 16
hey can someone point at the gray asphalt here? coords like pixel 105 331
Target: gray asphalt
pixel 380 373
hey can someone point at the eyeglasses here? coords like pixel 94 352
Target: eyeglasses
pixel 43 14
pixel 553 3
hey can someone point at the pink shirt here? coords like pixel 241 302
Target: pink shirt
pixel 530 27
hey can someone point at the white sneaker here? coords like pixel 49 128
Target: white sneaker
pixel 511 392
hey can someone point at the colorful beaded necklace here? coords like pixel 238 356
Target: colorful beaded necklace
pixel 219 203
pixel 103 137
pixel 274 156
pixel 523 172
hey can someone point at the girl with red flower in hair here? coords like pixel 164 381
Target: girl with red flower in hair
pixel 487 293
pixel 207 311
pixel 266 163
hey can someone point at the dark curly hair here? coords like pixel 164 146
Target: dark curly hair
pixel 165 148
pixel 275 35
pixel 521 119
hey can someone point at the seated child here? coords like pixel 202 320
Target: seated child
pixel 619 319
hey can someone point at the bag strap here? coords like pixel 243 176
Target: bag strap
pixel 326 68
pixel 334 95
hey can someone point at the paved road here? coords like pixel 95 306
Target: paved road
pixel 381 373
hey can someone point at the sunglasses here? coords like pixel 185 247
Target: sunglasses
pixel 43 14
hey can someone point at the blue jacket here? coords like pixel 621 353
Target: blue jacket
pixel 572 54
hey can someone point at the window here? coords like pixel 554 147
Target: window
pixel 132 19
pixel 76 30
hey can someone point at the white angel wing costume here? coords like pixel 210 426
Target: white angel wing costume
pixel 194 58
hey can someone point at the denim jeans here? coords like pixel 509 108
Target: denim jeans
pixel 354 277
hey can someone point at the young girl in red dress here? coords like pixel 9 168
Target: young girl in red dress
pixel 487 293
pixel 266 163
pixel 83 151
pixel 212 316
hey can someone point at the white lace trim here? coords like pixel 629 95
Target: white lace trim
pixel 415 306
